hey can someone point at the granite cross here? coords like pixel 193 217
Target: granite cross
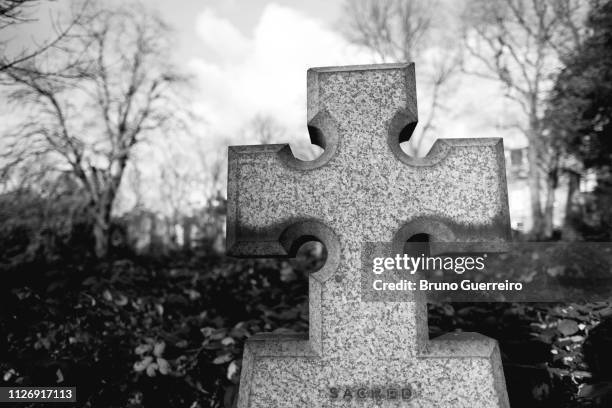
pixel 363 188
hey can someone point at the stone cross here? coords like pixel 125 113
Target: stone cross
pixel 363 188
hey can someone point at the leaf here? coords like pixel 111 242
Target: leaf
pixel 228 341
pixel 60 376
pixel 581 374
pixel 207 331
pixel 181 344
pixel 122 300
pixel 233 372
pixel 142 365
pixel 222 359
pixel 160 309
pixel 448 310
pixel 159 348
pixel 90 281
pixel 556 270
pixel 107 295
pixel 239 331
pixel 219 334
pixel 7 376
pixel 142 349
pixel 605 312
pixel 151 369
pixel 567 327
pixel 193 294
pixel 597 390
pixel 546 336
pixel 164 367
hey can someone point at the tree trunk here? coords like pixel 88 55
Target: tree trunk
pixel 569 227
pixel 187 225
pixel 102 226
pixel 101 233
pixel 537 227
pixel 549 206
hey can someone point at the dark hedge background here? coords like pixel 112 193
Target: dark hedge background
pixel 145 332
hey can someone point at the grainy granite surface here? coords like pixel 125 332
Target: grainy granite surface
pixel 364 189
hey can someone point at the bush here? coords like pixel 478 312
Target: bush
pixel 38 229
pixel 136 332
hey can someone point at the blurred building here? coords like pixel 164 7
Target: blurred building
pixel 517 174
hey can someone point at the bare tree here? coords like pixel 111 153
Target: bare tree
pixel 401 31
pixel 89 102
pixel 264 129
pixel 16 12
pixel 519 44
pixel 13 11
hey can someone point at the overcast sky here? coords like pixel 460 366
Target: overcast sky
pixel 250 57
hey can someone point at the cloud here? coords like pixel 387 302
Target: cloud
pixel 220 36
pixel 268 75
pixel 265 73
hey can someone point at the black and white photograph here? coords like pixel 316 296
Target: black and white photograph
pixel 306 204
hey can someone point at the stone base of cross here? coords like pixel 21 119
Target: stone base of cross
pixel 363 188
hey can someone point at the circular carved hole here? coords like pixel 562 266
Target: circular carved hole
pixel 310 257
pixel 417 245
pixel 310 147
pixel 416 147
pixel 306 151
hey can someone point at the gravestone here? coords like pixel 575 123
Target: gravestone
pixel 363 188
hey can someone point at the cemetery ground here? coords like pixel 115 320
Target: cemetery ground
pixel 151 331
